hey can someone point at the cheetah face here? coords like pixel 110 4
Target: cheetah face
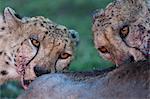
pixel 42 46
pixel 121 31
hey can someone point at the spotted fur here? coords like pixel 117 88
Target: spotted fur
pixel 107 25
pixel 30 43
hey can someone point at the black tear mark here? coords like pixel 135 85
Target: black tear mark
pixel 3 72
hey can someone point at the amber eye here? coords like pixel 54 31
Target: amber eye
pixel 124 31
pixel 36 43
pixel 103 49
pixel 64 55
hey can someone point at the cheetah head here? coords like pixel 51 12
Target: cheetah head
pixel 39 45
pixel 122 31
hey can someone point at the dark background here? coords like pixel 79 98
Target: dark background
pixel 74 14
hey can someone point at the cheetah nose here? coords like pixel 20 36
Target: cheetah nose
pixel 130 59
pixel 40 71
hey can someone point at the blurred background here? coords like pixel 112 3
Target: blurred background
pixel 74 14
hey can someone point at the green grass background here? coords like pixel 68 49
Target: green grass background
pixel 75 14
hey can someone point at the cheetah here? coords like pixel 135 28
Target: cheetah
pixel 30 47
pixel 122 31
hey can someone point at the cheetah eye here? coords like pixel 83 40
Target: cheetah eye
pixel 103 49
pixel 124 31
pixel 64 55
pixel 36 43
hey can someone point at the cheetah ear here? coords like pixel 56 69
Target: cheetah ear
pixel 74 35
pixel 97 13
pixel 11 18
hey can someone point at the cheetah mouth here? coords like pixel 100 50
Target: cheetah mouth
pixel 25 83
pixel 22 69
pixel 39 71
